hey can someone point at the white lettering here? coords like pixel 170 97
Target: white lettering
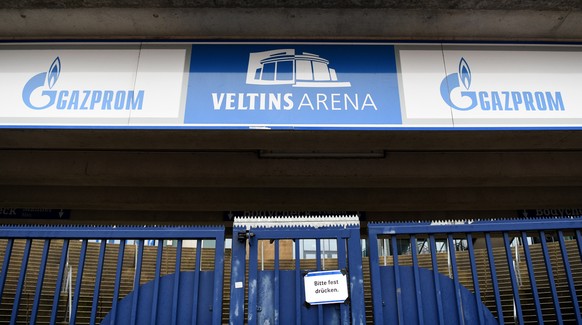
pixel 305 101
pixel 230 101
pixel 217 101
pixel 368 101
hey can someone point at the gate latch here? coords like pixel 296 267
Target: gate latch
pixel 242 236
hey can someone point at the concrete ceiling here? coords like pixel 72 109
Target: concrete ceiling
pixel 346 19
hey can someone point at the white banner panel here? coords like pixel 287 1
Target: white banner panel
pixel 491 85
pixel 92 84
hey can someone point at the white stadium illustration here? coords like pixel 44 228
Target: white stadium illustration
pixel 284 67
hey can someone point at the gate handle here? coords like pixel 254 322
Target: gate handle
pixel 242 236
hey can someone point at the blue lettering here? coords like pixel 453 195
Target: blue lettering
pixel 95 98
pixel 86 94
pixel 555 103
pixel 107 98
pixel 516 97
pixel 134 103
pixel 483 102
pixel 496 101
pixel 119 100
pixel 540 101
pixel 62 102
pixel 506 96
pixel 528 101
pixel 74 100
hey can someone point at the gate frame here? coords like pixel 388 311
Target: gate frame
pixel 103 233
pixel 486 227
pixel 287 230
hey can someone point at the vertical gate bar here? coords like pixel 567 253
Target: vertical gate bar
pixel 376 283
pixel 78 281
pixel 276 280
pixel 494 278
pixel 532 278
pixel 452 251
pixel 357 304
pixel 551 277
pixel 569 276
pixel 118 273
pixel 136 281
pixel 318 264
pixel 21 278
pixel 437 284
pixel 419 309
pixel 394 246
pixel 342 265
pixel 98 281
pixel 475 278
pixel 40 281
pixel 59 284
pixel 196 290
pixel 512 277
pixel 5 265
pixel 297 282
pixel 237 276
pixel 155 296
pixel 176 290
pixel 578 240
pixel 253 280
pixel 218 278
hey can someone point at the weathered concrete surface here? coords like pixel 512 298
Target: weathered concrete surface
pixel 160 173
pixel 391 4
pixel 528 24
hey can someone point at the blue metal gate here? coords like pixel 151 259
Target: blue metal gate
pixel 484 272
pixel 111 275
pixel 275 286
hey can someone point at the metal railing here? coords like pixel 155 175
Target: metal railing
pixel 104 283
pixel 496 276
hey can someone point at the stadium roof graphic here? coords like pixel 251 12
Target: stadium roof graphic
pixel 284 67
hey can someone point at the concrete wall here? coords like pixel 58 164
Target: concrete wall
pixel 194 176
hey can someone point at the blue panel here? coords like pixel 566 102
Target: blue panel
pixel 430 310
pixel 237 275
pixel 266 298
pixel 164 310
pixel 224 86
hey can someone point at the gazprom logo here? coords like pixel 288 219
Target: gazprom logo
pixel 456 92
pixel 40 93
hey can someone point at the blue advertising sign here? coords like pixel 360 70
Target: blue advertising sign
pixel 291 85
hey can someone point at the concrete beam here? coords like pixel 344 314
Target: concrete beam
pixel 245 140
pixel 392 4
pixel 246 169
pixel 277 199
pixel 366 23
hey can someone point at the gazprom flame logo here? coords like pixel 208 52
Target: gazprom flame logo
pixel 454 81
pixel 40 92
pixel 456 93
pixel 44 78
